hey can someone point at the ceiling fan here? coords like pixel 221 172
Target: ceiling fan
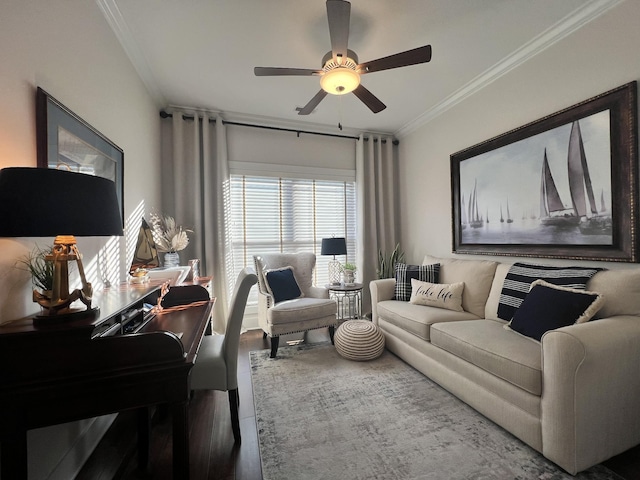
pixel 340 72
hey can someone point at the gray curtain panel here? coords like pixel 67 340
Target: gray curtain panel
pixel 195 186
pixel 378 211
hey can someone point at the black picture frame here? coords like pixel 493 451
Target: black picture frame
pixel 517 167
pixel 66 141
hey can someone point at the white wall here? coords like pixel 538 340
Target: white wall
pixel 258 145
pixel 67 48
pixel 600 56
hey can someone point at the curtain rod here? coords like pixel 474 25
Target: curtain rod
pixel 164 114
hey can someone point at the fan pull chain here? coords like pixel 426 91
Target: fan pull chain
pixel 340 112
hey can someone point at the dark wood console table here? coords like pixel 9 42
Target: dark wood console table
pixel 122 358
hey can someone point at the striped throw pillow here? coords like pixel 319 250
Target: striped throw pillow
pixel 404 274
pixel 522 275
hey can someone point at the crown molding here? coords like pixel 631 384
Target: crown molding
pixel 123 33
pixel 569 24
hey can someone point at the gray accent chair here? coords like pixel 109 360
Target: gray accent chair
pixel 314 309
pixel 216 366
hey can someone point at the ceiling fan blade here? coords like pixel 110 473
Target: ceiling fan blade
pixel 313 103
pixel 276 71
pixel 369 99
pixel 338 14
pixel 403 59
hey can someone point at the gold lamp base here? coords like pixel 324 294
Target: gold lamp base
pixel 57 301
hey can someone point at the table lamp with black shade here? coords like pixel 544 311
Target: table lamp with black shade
pixel 43 202
pixel 334 246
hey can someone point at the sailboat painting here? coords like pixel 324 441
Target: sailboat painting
pixel 553 174
pixel 564 186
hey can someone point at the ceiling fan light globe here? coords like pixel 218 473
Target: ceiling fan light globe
pixel 340 81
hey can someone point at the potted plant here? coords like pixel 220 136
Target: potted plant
pixel 387 262
pixel 349 273
pixel 40 268
pixel 169 237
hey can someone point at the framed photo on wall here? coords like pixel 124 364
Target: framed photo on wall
pixel 66 141
pixel 564 186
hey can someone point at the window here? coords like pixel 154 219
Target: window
pixel 272 215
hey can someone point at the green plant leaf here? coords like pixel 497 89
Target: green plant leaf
pixel 387 262
pixel 41 270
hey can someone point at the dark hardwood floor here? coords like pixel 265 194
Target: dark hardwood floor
pixel 213 454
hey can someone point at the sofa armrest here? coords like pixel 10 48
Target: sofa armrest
pixel 383 289
pixel 591 391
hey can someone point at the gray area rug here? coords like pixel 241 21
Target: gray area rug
pixel 320 416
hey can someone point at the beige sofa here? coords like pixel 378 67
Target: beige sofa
pixel 574 396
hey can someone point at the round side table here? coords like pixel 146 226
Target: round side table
pixel 349 300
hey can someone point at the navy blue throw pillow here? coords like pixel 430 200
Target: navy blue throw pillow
pixel 282 284
pixel 547 307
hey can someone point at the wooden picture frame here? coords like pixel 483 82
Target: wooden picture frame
pixel 564 186
pixel 66 141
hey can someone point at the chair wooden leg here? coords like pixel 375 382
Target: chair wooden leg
pixel 234 402
pixel 332 331
pixel 275 341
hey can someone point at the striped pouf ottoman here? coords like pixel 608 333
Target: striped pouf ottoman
pixel 359 340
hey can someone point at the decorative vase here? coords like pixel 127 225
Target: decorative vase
pixel 348 277
pixel 171 259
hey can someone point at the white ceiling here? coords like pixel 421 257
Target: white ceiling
pixel 201 53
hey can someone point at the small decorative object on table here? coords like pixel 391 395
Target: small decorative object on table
pixel 194 270
pixel 349 273
pixel 40 268
pixel 171 259
pixel 169 237
pixel 139 276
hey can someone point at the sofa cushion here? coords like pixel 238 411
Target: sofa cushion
pixel 404 274
pixel 521 275
pixel 417 319
pixel 477 276
pixel 300 309
pixel 438 295
pixel 620 288
pixel 547 307
pixel 487 345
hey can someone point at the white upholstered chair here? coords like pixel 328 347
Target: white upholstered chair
pixel 312 309
pixel 216 366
